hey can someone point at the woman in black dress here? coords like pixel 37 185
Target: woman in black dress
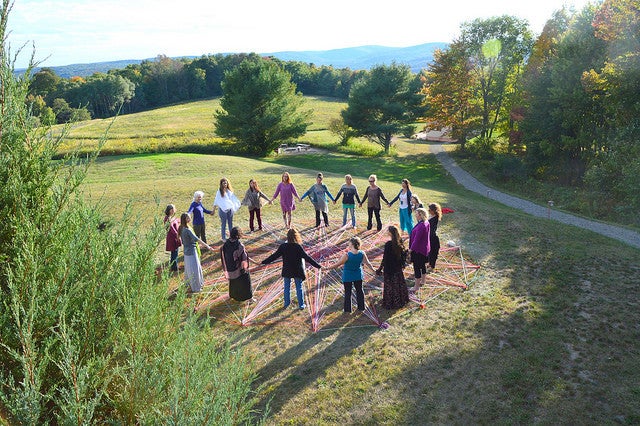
pixel 435 214
pixel 235 263
pixel 395 293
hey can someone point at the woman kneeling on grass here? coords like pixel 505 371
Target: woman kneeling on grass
pixel 192 268
pixel 352 273
pixel 293 257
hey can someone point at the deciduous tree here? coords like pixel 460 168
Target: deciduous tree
pixel 496 48
pixel 384 102
pixel 449 89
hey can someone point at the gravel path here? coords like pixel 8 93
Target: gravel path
pixel 465 179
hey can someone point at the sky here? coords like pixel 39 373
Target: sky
pixel 68 32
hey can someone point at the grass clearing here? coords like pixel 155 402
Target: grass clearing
pixel 186 127
pixel 548 332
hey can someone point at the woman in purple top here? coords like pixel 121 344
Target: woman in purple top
pixel 419 247
pixel 197 209
pixel 287 191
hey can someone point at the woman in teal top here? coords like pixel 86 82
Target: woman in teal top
pixel 352 273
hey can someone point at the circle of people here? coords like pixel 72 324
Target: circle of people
pixel 188 231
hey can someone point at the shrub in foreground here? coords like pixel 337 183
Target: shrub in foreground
pixel 87 335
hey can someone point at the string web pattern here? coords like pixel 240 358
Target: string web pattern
pixel 323 289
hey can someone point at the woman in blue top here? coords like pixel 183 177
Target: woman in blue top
pixel 404 196
pixel 352 273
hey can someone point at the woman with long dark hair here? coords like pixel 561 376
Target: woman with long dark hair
pixel 293 257
pixel 404 212
pixel 395 293
pixel 227 204
pixel 435 214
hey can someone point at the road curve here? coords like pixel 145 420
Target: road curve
pixel 627 236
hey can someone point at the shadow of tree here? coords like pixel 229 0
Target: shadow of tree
pixel 303 364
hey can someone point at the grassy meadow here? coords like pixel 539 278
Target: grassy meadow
pixel 547 332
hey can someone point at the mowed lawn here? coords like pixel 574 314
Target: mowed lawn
pixel 548 332
pixel 182 127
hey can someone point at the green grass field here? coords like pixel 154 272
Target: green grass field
pixel 547 333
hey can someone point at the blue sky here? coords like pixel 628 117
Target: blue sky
pixel 83 31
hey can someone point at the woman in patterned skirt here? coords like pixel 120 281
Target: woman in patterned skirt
pixel 395 293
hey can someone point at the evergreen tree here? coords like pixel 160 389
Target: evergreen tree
pixel 87 335
pixel 260 107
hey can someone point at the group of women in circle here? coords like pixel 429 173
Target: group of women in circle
pixel 422 251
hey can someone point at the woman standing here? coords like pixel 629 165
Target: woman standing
pixel 293 257
pixel 374 194
pixel 197 209
pixel 435 214
pixel 235 263
pixel 415 203
pixel 172 243
pixel 287 191
pixel 192 267
pixel 352 273
pixel 227 204
pixel 350 192
pixel 395 294
pixel 318 194
pixel 406 221
pixel 252 201
pixel 419 248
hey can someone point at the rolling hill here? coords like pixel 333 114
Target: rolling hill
pixel 355 58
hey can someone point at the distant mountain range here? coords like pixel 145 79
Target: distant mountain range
pixel 355 58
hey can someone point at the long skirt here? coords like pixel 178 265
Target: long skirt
pixel 395 293
pixel 193 273
pixel 240 288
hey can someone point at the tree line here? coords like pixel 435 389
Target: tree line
pixel 162 81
